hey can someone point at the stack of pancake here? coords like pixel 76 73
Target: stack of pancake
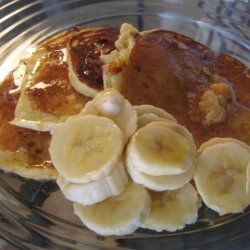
pixel 205 91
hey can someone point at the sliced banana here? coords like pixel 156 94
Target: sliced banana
pixel 86 148
pixel 117 215
pixel 127 119
pixel 162 182
pixel 218 140
pixel 159 150
pixel 222 175
pixel 150 109
pixel 111 103
pixel 90 109
pixel 248 178
pixel 179 129
pixel 147 118
pixel 95 191
pixel 172 210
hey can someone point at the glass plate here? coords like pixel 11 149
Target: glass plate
pixel 35 215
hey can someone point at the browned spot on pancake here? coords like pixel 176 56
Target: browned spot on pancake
pixel 85 50
pixel 50 90
pixel 13 137
pixel 161 73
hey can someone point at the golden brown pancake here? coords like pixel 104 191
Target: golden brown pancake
pixel 84 51
pixel 164 69
pixel 22 151
pixel 47 96
pixel 173 72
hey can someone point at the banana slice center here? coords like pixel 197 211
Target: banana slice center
pixel 162 146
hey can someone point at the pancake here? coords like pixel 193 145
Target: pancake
pixel 83 55
pixel 205 91
pixel 47 96
pixel 22 151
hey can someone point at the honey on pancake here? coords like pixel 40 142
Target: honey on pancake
pixel 49 89
pixel 162 73
pixel 12 138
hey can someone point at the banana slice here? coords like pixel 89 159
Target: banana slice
pixel 222 175
pixel 248 178
pixel 90 109
pixel 179 129
pixel 159 150
pixel 127 119
pixel 111 103
pixel 159 183
pixel 147 118
pixel 218 140
pixel 150 109
pixel 86 148
pixel 117 215
pixel 172 210
pixel 95 191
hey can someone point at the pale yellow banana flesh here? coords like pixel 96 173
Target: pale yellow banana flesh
pixel 179 129
pixel 222 175
pixel 172 210
pixel 149 109
pixel 148 113
pixel 127 119
pixel 219 140
pixel 147 118
pixel 162 182
pixel 160 151
pixel 160 156
pixel 86 148
pixel 95 191
pixel 248 178
pixel 90 109
pixel 117 215
pixel 111 104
